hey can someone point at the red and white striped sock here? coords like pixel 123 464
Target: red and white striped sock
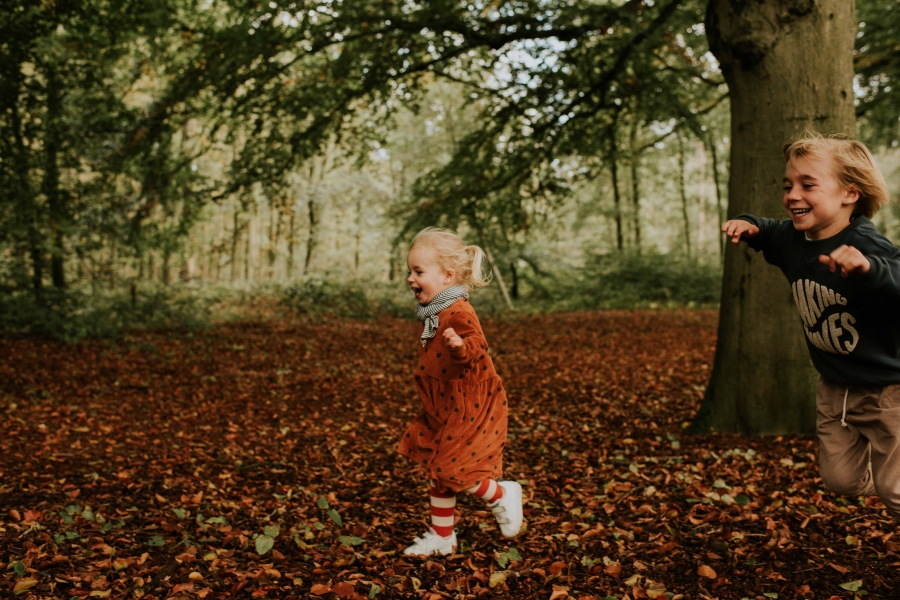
pixel 488 490
pixel 443 503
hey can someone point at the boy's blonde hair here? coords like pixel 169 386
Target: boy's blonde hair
pixel 854 166
pixel 466 261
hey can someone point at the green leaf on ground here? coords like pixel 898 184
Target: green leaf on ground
pixel 263 544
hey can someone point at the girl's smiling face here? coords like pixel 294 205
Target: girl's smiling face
pixel 816 201
pixel 427 278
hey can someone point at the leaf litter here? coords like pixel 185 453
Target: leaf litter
pixel 258 460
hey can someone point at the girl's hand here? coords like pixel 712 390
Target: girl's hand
pixel 451 340
pixel 846 258
pixel 735 228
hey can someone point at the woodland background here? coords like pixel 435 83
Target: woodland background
pixel 205 205
pixel 158 157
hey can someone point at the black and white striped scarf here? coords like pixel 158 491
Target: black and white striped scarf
pixel 428 313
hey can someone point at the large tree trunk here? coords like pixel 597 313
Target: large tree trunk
pixel 781 79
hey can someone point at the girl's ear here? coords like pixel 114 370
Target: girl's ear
pixel 449 276
pixel 851 195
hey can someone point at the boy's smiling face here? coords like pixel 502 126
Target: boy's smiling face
pixel 427 278
pixel 815 200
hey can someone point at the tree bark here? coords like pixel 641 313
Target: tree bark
pixel 781 79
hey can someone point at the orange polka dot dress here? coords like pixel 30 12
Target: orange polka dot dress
pixel 460 435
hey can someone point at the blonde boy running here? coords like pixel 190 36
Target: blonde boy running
pixel 845 278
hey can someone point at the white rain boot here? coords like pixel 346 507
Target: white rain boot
pixel 431 543
pixel 508 509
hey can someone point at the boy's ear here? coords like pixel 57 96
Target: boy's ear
pixel 851 195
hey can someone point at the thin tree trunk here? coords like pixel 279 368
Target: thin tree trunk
pixel 111 266
pixel 635 187
pixel 613 168
pixel 235 238
pixel 270 252
pixel 763 381
pixel 313 231
pixel 55 200
pixel 290 259
pixel 358 234
pixel 247 241
pixel 319 167
pixel 514 290
pixel 498 275
pixel 684 199
pixel 392 261
pixel 166 276
pixel 29 209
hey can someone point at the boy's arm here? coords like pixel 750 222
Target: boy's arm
pixel 758 240
pixel 759 233
pixel 883 273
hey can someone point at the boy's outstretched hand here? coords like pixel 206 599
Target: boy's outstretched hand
pixel 735 228
pixel 846 258
pixel 451 340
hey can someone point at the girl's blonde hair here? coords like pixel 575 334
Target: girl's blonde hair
pixel 466 261
pixel 854 166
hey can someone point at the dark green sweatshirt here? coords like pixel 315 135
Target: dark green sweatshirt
pixel 852 324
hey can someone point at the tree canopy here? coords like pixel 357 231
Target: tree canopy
pixel 109 110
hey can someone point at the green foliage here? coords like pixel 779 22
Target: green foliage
pixel 356 299
pixel 625 280
pixel 620 280
pixel 504 558
pixel 877 64
pixel 315 296
pixel 78 314
pixel 629 279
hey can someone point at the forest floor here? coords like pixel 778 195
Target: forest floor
pixel 258 460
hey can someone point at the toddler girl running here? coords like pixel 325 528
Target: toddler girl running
pixel 460 435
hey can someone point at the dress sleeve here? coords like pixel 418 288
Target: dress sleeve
pixel 467 327
pixel 767 240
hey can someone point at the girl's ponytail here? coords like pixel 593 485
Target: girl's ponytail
pixel 477 276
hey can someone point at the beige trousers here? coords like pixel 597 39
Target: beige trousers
pixel 859 440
